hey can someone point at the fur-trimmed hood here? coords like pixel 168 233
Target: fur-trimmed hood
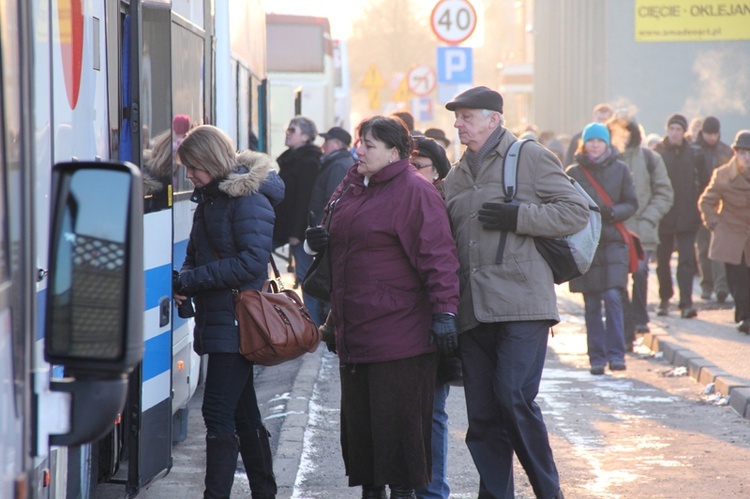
pixel 151 184
pixel 256 172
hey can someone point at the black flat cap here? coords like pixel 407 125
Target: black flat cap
pixel 338 133
pixel 742 140
pixel 437 134
pixel 477 98
pixel 428 148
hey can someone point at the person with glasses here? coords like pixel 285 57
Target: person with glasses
pixel 432 163
pixel 298 168
pixel 725 212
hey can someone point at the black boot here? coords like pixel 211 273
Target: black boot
pixel 373 492
pixel 401 492
pixel 221 461
pixel 256 456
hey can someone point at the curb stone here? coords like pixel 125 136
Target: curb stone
pixel 701 370
pixel 291 436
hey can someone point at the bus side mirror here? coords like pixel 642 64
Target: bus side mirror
pixel 95 294
pixel 95 301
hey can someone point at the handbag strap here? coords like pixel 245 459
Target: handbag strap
pixel 599 189
pixel 332 205
pixel 608 201
pixel 277 275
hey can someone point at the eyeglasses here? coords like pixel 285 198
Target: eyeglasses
pixel 291 129
pixel 420 166
pixel 742 152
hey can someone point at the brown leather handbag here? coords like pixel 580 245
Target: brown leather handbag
pixel 274 325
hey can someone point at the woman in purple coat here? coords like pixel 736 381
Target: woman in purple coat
pixel 393 305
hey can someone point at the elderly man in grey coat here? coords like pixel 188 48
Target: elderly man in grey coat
pixel 508 300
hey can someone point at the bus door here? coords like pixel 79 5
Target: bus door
pixel 190 77
pixel 15 277
pixel 146 76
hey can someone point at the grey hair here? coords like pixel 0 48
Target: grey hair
pixel 208 148
pixel 306 126
pixel 488 112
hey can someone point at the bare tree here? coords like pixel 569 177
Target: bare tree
pixel 391 35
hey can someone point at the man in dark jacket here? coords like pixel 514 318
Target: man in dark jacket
pixel 336 162
pixel 715 154
pixel 689 176
pixel 298 168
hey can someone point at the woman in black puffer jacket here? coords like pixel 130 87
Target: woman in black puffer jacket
pixel 608 274
pixel 229 248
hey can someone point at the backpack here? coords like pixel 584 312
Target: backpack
pixel 569 256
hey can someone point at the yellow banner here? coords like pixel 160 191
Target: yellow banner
pixel 691 20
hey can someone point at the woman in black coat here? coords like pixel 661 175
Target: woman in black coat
pixel 608 274
pixel 229 248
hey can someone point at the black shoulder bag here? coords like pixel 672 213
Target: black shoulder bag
pixel 317 281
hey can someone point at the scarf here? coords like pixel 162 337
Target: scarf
pixel 475 160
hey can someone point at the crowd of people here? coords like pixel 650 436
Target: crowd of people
pixel 437 282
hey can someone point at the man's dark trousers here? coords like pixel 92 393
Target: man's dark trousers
pixel 502 365
pixel 686 265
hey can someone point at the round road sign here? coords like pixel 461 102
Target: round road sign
pixel 421 80
pixel 453 21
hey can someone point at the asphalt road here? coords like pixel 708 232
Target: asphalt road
pixel 644 432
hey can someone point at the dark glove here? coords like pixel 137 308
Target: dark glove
pixel 316 235
pixel 608 214
pixel 177 286
pixel 185 309
pixel 328 334
pixel 444 332
pixel 499 216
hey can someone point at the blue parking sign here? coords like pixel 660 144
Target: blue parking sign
pixel 454 65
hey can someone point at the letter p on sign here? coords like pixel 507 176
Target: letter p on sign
pixel 454 65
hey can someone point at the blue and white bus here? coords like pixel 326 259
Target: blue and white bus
pixel 89 82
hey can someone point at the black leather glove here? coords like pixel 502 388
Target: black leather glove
pixel 328 335
pixel 316 235
pixel 444 332
pixel 608 214
pixel 185 309
pixel 499 216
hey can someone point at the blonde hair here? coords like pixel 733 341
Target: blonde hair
pixel 159 159
pixel 208 148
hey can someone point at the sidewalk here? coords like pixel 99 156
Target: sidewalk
pixel 708 346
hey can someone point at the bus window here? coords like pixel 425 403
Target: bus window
pixel 156 110
pixel 187 82
pixel 4 252
pixel 244 107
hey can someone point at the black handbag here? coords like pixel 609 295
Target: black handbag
pixel 317 281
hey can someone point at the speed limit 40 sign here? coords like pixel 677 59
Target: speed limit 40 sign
pixel 453 21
